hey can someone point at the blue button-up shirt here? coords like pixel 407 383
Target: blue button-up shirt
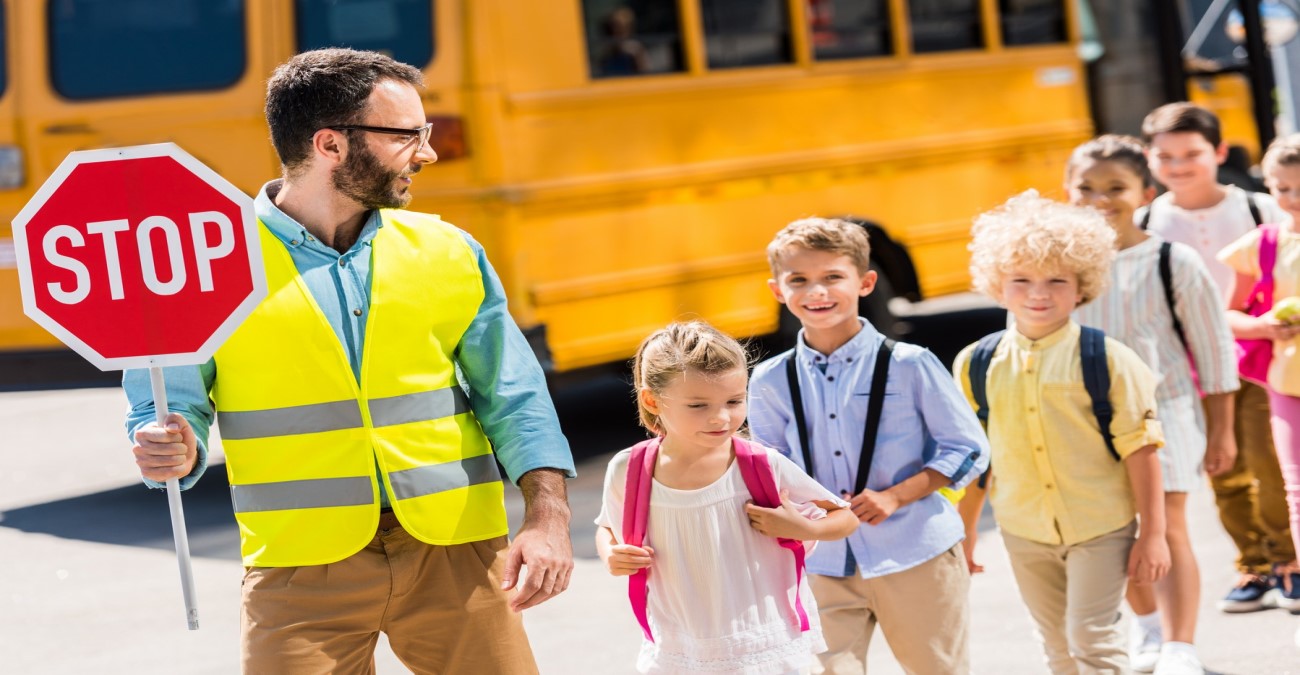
pixel 507 389
pixel 926 424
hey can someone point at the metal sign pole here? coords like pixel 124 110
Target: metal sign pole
pixel 177 512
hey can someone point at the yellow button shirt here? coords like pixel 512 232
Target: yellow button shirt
pixel 1243 256
pixel 1053 479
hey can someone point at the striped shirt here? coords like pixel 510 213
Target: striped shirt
pixel 1133 310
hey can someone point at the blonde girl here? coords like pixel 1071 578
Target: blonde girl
pixel 1282 175
pixel 1110 174
pixel 720 585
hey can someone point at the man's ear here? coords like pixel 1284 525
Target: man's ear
pixel 868 283
pixel 648 400
pixel 776 290
pixel 330 145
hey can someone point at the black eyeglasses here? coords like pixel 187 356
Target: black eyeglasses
pixel 422 133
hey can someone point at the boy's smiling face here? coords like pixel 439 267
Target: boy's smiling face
pixel 821 289
pixel 1041 301
pixel 1185 160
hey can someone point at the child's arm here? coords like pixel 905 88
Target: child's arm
pixel 873 507
pixel 1149 560
pixel 1221 444
pixel 971 507
pixel 1247 327
pixel 785 522
pixel 621 559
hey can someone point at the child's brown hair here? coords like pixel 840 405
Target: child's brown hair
pixel 1182 117
pixel 675 349
pixel 822 234
pixel 1125 150
pixel 1283 151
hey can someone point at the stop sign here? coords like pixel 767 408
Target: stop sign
pixel 139 257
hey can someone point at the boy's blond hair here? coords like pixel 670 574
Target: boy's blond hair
pixel 822 234
pixel 1029 232
pixel 675 349
pixel 1283 151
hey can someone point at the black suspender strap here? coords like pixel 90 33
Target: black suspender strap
pixel 796 401
pixel 875 409
pixel 1167 282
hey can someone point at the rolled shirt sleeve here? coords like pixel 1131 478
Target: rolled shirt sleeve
pixel 507 388
pixel 961 448
pixel 1133 397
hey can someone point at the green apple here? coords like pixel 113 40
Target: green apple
pixel 1287 310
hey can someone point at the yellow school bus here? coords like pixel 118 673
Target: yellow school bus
pixel 624 162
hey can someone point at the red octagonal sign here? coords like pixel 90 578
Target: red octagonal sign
pixel 139 257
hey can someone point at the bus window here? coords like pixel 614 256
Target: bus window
pixel 741 33
pixel 846 29
pixel 105 48
pixel 402 29
pixel 626 38
pixel 945 25
pixel 1032 22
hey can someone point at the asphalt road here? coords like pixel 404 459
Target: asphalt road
pixel 88 579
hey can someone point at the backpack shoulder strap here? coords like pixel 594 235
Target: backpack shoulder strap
pixel 636 514
pixel 978 372
pixel 760 480
pixel 796 403
pixel 1253 205
pixel 1096 380
pixel 1146 219
pixel 1167 282
pixel 875 408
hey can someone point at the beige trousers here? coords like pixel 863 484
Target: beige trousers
pixel 1073 594
pixel 441 607
pixel 923 611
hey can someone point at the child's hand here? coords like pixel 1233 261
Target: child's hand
pixel 968 547
pixel 782 522
pixel 1220 455
pixel 1148 562
pixel 1272 329
pixel 625 559
pixel 873 507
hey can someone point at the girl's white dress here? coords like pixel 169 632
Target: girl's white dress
pixel 721 594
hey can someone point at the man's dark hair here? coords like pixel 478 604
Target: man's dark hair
pixel 316 89
pixel 1182 117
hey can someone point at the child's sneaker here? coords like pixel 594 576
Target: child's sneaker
pixel 1249 595
pixel 1143 647
pixel 1281 597
pixel 1179 658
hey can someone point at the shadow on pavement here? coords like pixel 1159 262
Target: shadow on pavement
pixel 137 516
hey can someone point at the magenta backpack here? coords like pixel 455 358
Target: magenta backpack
pixel 1254 356
pixel 760 481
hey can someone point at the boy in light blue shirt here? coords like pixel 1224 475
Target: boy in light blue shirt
pixel 903 567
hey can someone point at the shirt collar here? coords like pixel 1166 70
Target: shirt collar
pixel 290 232
pixel 1066 332
pixel 860 346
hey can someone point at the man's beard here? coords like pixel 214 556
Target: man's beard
pixel 364 180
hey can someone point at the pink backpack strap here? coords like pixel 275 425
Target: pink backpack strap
pixel 1267 260
pixel 636 515
pixel 760 479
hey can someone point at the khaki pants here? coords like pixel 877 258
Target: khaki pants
pixel 923 611
pixel 1073 594
pixel 1250 497
pixel 441 607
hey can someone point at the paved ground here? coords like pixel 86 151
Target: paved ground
pixel 88 580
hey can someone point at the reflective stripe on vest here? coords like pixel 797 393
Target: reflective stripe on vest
pixel 302 434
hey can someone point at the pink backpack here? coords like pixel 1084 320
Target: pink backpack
pixel 760 481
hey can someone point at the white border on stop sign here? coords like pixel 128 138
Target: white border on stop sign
pixel 248 223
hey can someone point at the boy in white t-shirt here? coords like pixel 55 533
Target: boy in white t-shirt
pixel 1186 149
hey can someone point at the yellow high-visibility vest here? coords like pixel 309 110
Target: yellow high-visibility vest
pixel 302 436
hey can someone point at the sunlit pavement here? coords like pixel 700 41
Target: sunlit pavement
pixel 89 582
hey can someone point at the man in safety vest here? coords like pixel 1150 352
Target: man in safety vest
pixel 364 404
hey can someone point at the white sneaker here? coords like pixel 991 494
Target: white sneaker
pixel 1179 662
pixel 1143 648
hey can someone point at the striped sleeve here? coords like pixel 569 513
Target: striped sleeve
pixel 1204 322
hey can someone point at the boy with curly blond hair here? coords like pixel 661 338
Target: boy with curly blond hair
pixel 1065 490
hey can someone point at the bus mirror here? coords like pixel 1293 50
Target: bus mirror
pixel 11 167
